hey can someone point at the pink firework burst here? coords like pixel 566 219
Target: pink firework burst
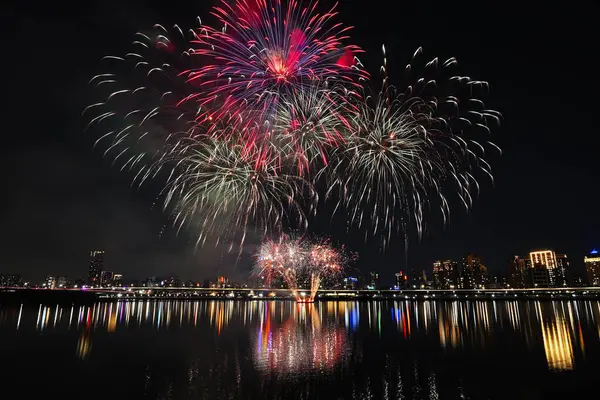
pixel 267 48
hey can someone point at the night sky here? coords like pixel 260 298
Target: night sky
pixel 62 199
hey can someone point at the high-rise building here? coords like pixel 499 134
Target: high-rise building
pixel 562 275
pixel 543 268
pixel 401 280
pixel 497 282
pixel 543 257
pixel 436 274
pixel 117 279
pixel 11 280
pixel 472 273
pixel 445 274
pixel 106 278
pixel 351 282
pixel 171 281
pixel 64 282
pixel 50 282
pixel 528 279
pixel 425 283
pixel 592 267
pixel 96 267
pixel 222 282
pixel 577 281
pixel 152 281
pixel 415 279
pixel 517 272
pixel 79 283
pixel 374 280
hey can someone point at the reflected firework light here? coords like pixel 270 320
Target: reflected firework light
pixel 299 337
pixel 300 344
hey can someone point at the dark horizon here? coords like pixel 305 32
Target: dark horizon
pixel 63 199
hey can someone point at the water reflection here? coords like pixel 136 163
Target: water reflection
pixel 271 350
pixel 298 344
pixel 290 337
pixel 556 325
pixel 84 344
pixel 558 343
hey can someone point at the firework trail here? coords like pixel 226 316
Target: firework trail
pixel 226 185
pixel 244 122
pixel 309 125
pixel 410 148
pixel 159 108
pixel 267 48
pixel 139 115
pixel 213 178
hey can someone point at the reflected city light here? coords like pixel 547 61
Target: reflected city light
pixel 558 345
pixel 472 324
pixel 84 344
pixel 292 338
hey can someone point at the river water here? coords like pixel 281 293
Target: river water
pixel 281 350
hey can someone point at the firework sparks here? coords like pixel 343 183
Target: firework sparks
pixel 227 185
pixel 409 148
pixel 279 259
pixel 138 113
pixel 302 263
pixel 325 262
pixel 267 48
pixel 309 126
pixel 243 122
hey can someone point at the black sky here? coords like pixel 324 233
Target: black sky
pixel 61 199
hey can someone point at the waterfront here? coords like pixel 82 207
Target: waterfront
pixel 215 349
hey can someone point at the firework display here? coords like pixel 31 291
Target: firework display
pixel 279 260
pixel 406 148
pixel 266 48
pixel 302 263
pixel 223 182
pixel 254 121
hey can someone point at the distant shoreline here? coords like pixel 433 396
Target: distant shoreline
pixel 232 294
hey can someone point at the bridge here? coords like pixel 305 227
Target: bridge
pixel 195 293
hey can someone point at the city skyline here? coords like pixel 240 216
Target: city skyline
pixel 520 272
pixel 95 267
